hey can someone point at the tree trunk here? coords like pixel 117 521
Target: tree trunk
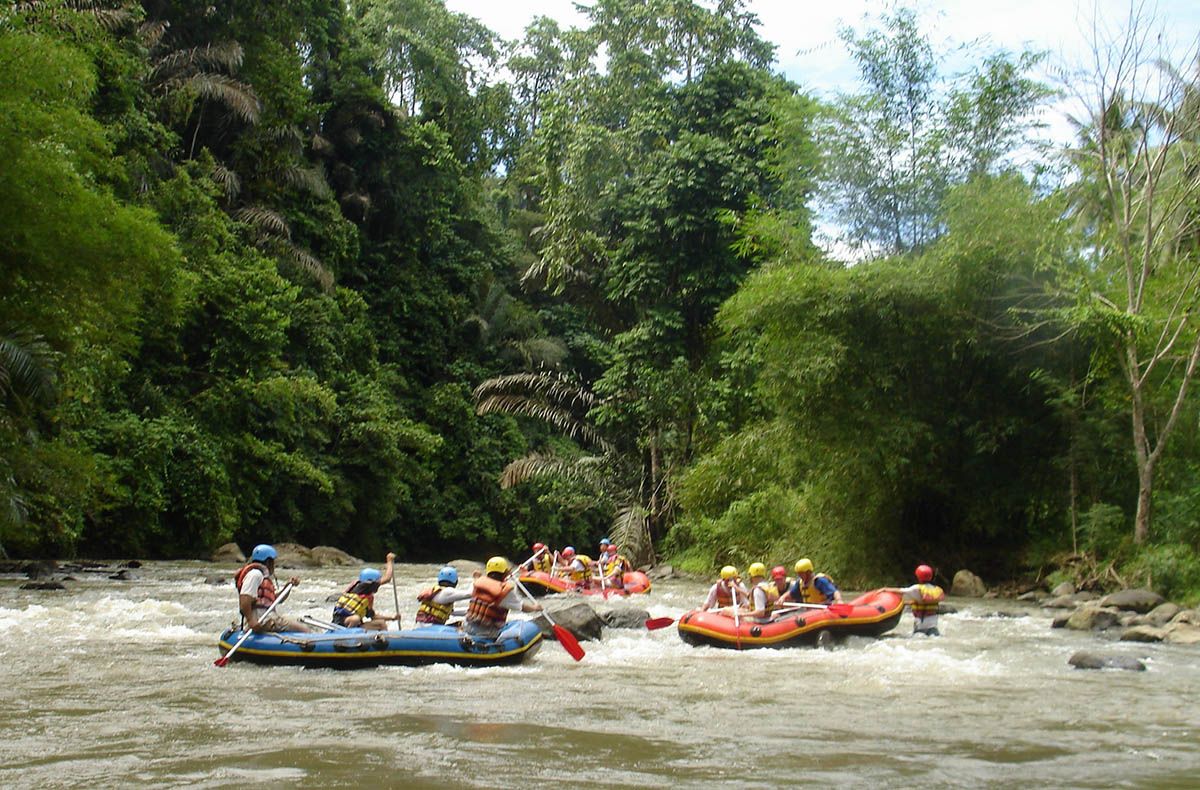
pixel 1141 522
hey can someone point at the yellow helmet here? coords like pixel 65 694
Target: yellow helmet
pixel 728 572
pixel 757 569
pixel 804 565
pixel 497 565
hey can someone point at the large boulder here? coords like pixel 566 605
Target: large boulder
pixel 293 555
pixel 230 552
pixel 967 585
pixel 658 572
pixel 328 556
pixel 1188 616
pixel 1182 634
pixel 39 569
pixel 578 618
pixel 1086 659
pixel 1063 588
pixel 625 617
pixel 1163 613
pixel 1140 601
pixel 1093 618
pixel 1143 633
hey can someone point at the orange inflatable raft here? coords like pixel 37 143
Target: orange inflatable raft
pixel 541 583
pixel 871 614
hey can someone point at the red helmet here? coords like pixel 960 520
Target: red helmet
pixel 924 573
pixel 539 546
pixel 779 572
pixel 569 551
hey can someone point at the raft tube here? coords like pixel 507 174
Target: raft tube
pixel 352 648
pixel 873 614
pixel 540 583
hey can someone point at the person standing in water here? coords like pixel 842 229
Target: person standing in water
pixel 923 599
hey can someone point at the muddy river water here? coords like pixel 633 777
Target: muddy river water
pixel 112 683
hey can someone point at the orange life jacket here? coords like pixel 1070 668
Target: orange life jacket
pixel 724 594
pixel 484 607
pixel 266 590
pixel 931 596
pixel 430 612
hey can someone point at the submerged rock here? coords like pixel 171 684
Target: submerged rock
pixel 230 552
pixel 50 585
pixel 578 618
pixel 1093 618
pixel 967 585
pixel 1060 620
pixel 1143 633
pixel 1086 659
pixel 1140 601
pixel 625 617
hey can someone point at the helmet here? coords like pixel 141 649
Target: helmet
pixel 263 552
pixel 779 572
pixel 569 551
pixel 538 547
pixel 924 573
pixel 369 575
pixel 757 569
pixel 448 576
pixel 728 572
pixel 804 565
pixel 605 541
pixel 497 565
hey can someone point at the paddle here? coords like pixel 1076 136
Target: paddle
pixel 736 626
pixel 564 637
pixel 396 598
pixel 840 609
pixel 655 623
pixel 223 660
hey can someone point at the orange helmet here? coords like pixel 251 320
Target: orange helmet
pixel 779 572
pixel 538 546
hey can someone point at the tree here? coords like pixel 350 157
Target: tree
pixel 1138 202
pixel 894 150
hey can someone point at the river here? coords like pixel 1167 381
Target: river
pixel 112 683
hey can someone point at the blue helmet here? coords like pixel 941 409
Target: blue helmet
pixel 263 552
pixel 448 576
pixel 369 575
pixel 605 541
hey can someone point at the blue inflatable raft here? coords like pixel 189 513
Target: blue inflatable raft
pixel 352 648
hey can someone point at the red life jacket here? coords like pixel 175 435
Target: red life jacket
pixel 484 608
pixel 724 594
pixel 266 590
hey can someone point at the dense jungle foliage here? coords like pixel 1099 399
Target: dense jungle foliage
pixel 364 274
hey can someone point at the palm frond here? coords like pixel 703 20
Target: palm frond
pixel 26 370
pixel 555 387
pixel 560 418
pixel 264 220
pixel 542 465
pixel 227 179
pixel 311 265
pixel 309 179
pixel 630 530
pixel 151 32
pixel 224 56
pixel 231 93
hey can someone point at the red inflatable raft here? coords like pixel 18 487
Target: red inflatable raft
pixel 871 614
pixel 541 583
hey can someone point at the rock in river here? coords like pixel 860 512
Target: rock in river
pixel 1086 659
pixel 967 585
pixel 1140 601
pixel 578 618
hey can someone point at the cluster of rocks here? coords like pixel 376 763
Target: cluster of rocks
pixel 50 575
pixel 292 555
pixel 1130 615
pixel 587 623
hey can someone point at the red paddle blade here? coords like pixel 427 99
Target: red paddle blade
pixel 569 642
pixel 655 623
pixel 222 661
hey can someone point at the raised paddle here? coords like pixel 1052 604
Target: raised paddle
pixel 223 660
pixel 396 598
pixel 737 629
pixel 564 637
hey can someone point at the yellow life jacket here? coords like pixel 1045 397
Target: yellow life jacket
pixel 544 563
pixel 352 603
pixel 811 593
pixel 576 575
pixel 615 564
pixel 430 612
pixel 931 596
pixel 771 593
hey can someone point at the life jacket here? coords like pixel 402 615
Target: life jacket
pixel 352 602
pixel 577 574
pixel 266 590
pixel 724 594
pixel 544 563
pixel 430 612
pixel 931 596
pixel 614 565
pixel 771 593
pixel 811 593
pixel 484 607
